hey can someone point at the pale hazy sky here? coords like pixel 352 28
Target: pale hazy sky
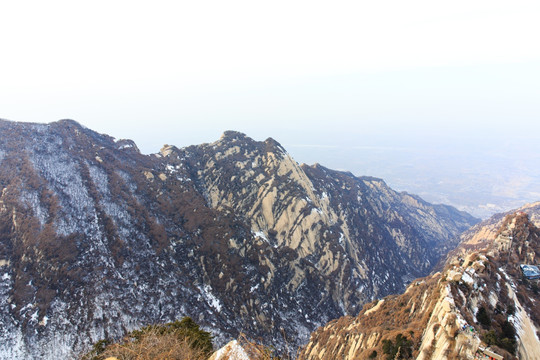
pixel 312 74
pixel 184 71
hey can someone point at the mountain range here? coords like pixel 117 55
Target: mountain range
pixel 97 239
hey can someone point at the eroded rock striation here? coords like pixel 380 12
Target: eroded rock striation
pixel 480 304
pixel 97 239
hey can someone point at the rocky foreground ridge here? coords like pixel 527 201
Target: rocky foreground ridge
pixel 480 304
pixel 97 239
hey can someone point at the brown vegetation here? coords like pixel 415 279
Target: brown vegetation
pixel 155 346
pixel 398 321
pixel 179 340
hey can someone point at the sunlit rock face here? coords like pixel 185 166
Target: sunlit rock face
pixel 97 239
pixel 481 303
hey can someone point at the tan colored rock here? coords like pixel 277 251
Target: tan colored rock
pixel 454 275
pixel 149 175
pixel 239 350
pixel 166 150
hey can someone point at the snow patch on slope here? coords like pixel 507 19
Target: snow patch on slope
pixel 31 199
pixel 467 278
pixel 231 351
pixel 210 298
pixel 63 174
pixel 12 345
pixel 529 343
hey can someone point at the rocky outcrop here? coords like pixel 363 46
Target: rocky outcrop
pixel 97 239
pixel 484 233
pixel 479 304
pixel 241 350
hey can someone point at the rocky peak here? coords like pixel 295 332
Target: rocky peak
pixel 232 136
pixel 167 150
pixel 127 145
pixel 68 123
pixel 274 146
pixel 517 241
pixel 242 350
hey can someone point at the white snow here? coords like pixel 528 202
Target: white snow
pixel 508 279
pixel 63 173
pixel 529 343
pixel 466 277
pixel 34 316
pixel 260 234
pixel 26 307
pixel 232 351
pixel 31 198
pixel 183 179
pixel 100 179
pixel 493 299
pixel 210 298
pixel 449 296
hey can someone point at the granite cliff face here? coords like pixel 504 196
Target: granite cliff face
pixel 479 304
pixel 97 239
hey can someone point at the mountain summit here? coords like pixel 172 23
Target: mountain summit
pixel 97 239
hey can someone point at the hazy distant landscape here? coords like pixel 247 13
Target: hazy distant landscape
pixel 474 178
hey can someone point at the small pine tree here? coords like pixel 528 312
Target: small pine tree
pixel 483 317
